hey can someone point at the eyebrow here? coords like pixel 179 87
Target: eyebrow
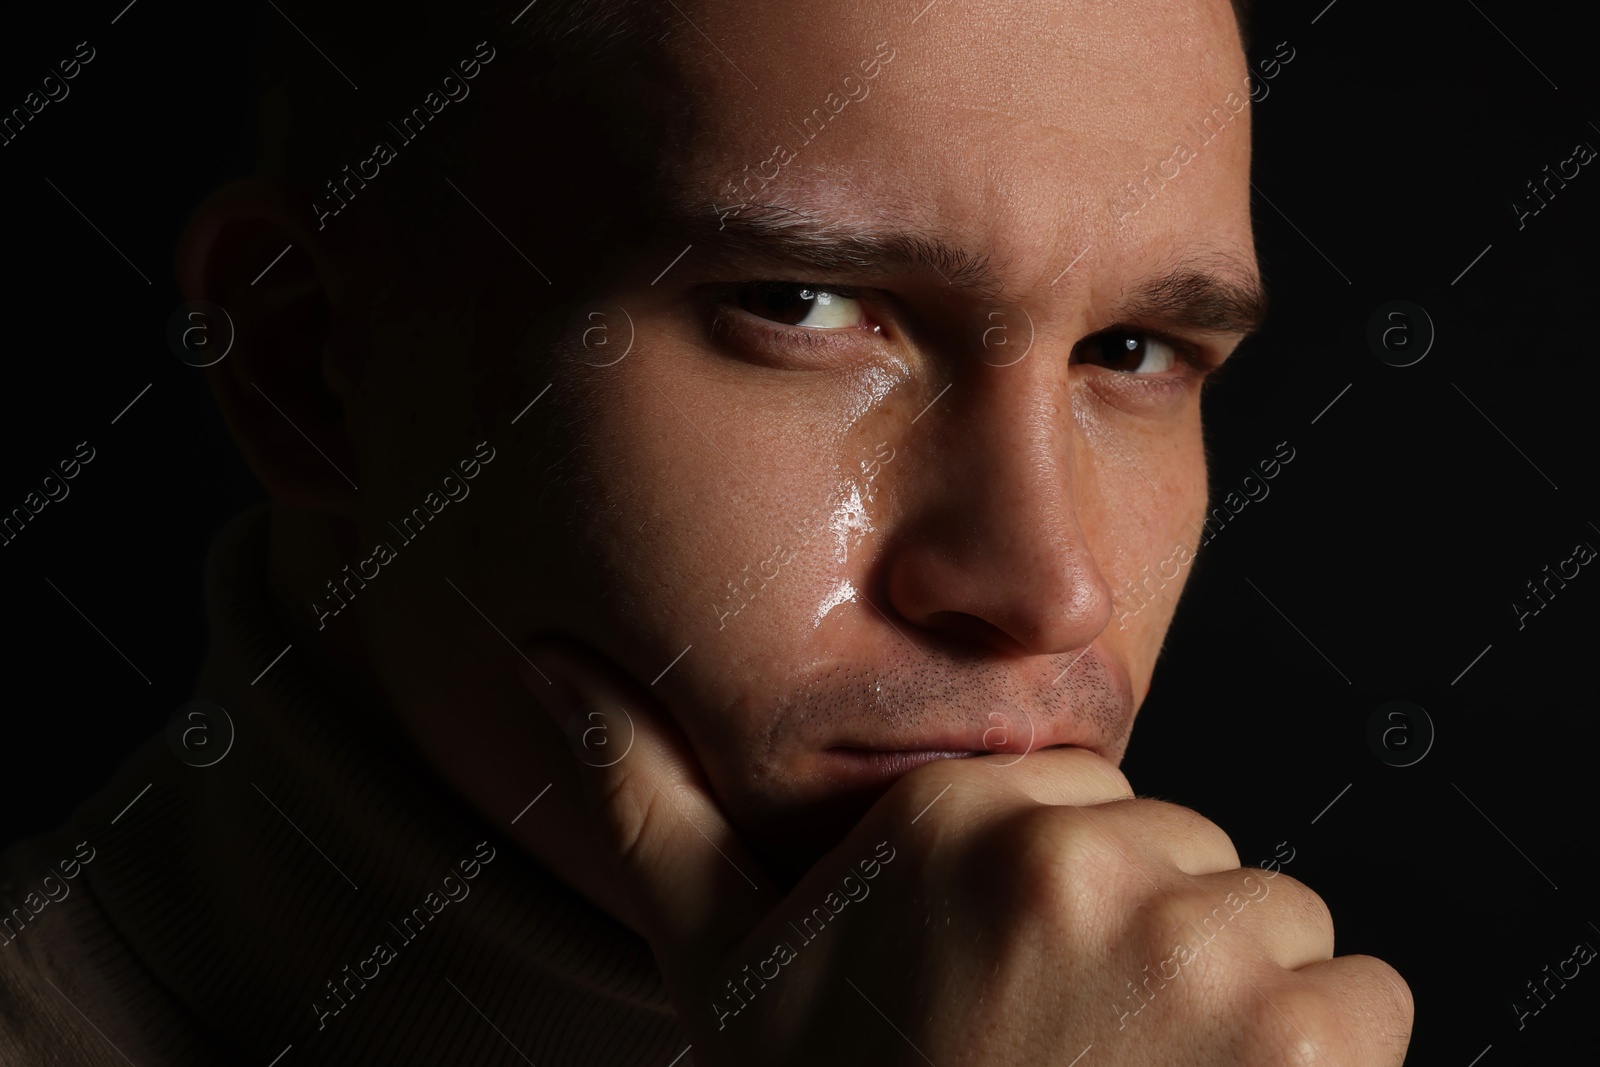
pixel 1212 291
pixel 1216 292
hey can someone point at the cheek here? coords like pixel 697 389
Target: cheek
pixel 1142 513
pixel 712 508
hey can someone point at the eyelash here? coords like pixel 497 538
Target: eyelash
pixel 1197 357
pixel 728 317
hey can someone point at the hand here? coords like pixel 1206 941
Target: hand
pixel 983 912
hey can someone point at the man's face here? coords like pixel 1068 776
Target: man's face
pixel 893 507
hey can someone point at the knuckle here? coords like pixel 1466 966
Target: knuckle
pixel 1050 859
pixel 1215 839
pixel 1114 778
pixel 1188 914
pixel 1198 841
pixel 1316 914
pixel 1392 1004
pixel 1295 1026
pixel 1308 905
pixel 1184 817
pixel 1405 1002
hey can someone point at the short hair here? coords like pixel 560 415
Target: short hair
pixel 313 119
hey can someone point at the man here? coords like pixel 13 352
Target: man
pixel 710 446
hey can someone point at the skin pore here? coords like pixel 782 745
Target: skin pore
pixel 923 532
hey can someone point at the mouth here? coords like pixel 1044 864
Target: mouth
pixel 872 766
pixel 898 725
pixel 831 750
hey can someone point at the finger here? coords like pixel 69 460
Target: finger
pixel 1072 776
pixel 1166 835
pixel 695 886
pixel 1288 922
pixel 1373 1021
pixel 1148 832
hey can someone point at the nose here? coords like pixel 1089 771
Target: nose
pixel 988 550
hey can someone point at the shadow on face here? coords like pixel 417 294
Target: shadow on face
pixel 833 369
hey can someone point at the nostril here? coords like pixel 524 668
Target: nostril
pixel 969 629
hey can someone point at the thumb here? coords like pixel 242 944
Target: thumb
pixel 693 884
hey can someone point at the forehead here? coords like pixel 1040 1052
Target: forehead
pixel 1017 129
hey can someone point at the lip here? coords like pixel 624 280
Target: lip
pixel 867 768
pixel 1010 717
pixel 1002 733
pixel 873 766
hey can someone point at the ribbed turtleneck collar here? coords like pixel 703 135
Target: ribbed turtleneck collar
pixel 311 892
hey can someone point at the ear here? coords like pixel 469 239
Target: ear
pixel 277 385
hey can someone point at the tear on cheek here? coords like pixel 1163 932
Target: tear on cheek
pixel 842 593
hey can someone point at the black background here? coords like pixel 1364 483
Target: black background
pixel 1387 155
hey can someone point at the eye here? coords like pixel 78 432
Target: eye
pixel 1128 351
pixel 805 305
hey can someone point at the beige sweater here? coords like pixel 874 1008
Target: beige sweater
pixel 316 897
